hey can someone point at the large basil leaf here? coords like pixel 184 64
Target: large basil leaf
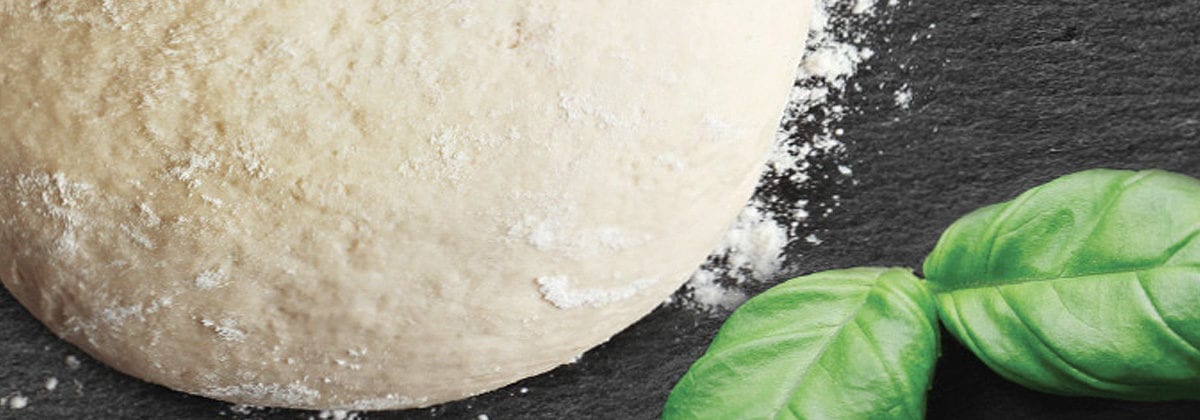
pixel 1088 285
pixel 857 343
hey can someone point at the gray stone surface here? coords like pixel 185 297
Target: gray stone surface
pixel 1008 94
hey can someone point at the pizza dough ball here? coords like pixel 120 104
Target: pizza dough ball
pixel 371 204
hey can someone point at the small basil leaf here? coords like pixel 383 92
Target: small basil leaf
pixel 1088 285
pixel 857 343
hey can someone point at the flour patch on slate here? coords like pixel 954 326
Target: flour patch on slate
pixel 809 149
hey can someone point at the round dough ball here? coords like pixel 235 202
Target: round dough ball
pixel 371 204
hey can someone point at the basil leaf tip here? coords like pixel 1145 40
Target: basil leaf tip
pixel 857 343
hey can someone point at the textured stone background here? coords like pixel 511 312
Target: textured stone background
pixel 1008 94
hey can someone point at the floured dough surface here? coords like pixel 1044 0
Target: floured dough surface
pixel 372 204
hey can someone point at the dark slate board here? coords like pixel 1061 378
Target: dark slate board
pixel 1008 94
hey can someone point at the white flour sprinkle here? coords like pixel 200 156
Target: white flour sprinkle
pixel 559 233
pixel 755 244
pixel 337 415
pixel 243 409
pixel 51 383
pixel 904 97
pixel 211 279
pixel 863 6
pixel 18 402
pixel 834 61
pixel 226 329
pixel 754 248
pixel 190 168
pixel 557 290
pixel 290 394
pixel 813 239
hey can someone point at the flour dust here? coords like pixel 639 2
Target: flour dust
pixel 754 249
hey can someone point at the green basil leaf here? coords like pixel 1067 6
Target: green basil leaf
pixel 1088 285
pixel 858 343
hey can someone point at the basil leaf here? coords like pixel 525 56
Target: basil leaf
pixel 857 343
pixel 1088 285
